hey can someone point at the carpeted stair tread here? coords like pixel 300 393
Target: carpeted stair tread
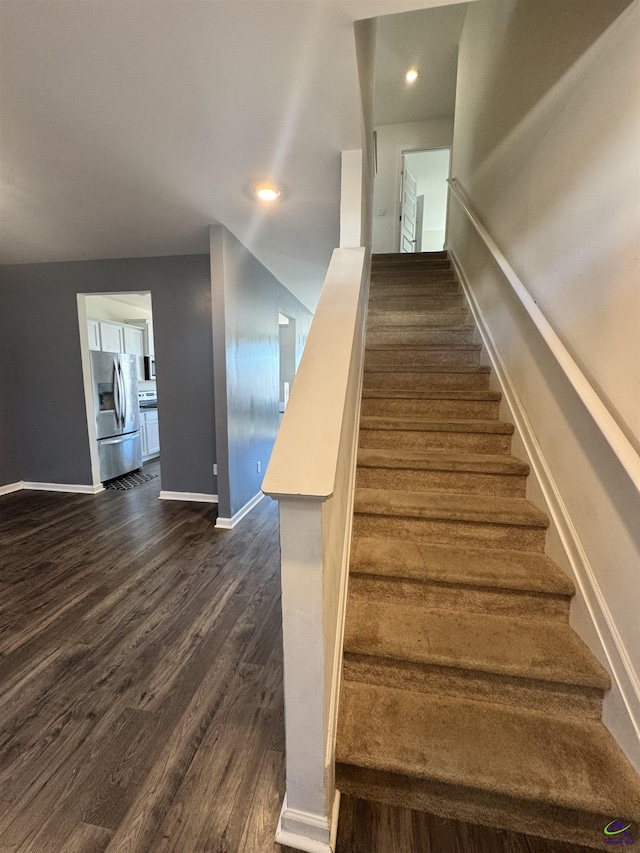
pixel 519 753
pixel 410 257
pixel 408 349
pixel 523 571
pixel 429 368
pixel 462 326
pixel 418 299
pixel 440 460
pixel 384 314
pixel 431 394
pixel 521 646
pixel 381 289
pixel 489 427
pixel 465 690
pixel 449 506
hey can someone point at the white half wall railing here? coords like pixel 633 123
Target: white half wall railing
pixel 624 450
pixel 312 476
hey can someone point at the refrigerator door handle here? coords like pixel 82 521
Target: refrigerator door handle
pixel 116 391
pixel 120 439
pixel 123 396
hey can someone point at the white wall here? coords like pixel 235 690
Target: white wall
pixel 351 198
pixel 392 139
pixel 546 146
pixel 106 307
pixel 365 37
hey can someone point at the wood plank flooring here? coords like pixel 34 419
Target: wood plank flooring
pixel 141 704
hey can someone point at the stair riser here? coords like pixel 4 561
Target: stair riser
pixel 415 290
pixel 465 409
pixel 417 381
pixel 406 261
pixel 440 256
pixel 377 318
pixel 414 284
pixel 584 702
pixel 417 299
pixel 467 442
pixel 418 336
pixel 471 805
pixel 471 599
pixel 417 262
pixel 380 358
pixel 458 482
pixel 451 532
pixel 415 273
pixel 423 304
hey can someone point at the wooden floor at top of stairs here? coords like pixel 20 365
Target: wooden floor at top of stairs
pixel 141 705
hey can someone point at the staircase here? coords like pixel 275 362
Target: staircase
pixel 466 693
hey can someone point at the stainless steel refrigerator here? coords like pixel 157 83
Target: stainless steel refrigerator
pixel 115 400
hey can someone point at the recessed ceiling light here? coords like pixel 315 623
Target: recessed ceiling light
pixel 266 192
pixel 412 75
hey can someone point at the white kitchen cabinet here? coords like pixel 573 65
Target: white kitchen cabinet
pixel 150 433
pixel 134 344
pixel 153 434
pixel 108 336
pixel 111 337
pixel 147 329
pixel 143 436
pixel 133 340
pixel 93 329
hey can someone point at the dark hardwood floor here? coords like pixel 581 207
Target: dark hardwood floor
pixel 141 686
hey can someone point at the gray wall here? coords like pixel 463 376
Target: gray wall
pixel 246 302
pixel 39 302
pixel 10 468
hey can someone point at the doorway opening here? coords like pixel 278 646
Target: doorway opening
pixel 424 194
pixel 118 362
pixel 287 358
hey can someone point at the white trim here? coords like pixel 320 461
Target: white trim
pixel 336 677
pixel 11 487
pixel 87 383
pixel 308 832
pixel 625 451
pixel 229 523
pixel 617 656
pixel 64 487
pixel 200 497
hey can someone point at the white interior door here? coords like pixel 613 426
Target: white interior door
pixel 408 210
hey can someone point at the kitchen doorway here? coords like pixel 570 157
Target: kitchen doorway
pixel 118 362
pixel 287 359
pixel 424 195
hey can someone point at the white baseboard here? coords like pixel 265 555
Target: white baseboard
pixel 228 523
pixel 306 831
pixel 200 497
pixel 64 487
pixel 618 659
pixel 11 487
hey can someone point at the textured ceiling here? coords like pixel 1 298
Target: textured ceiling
pixel 128 127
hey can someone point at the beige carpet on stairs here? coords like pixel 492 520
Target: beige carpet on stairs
pixel 465 691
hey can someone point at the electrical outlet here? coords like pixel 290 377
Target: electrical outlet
pixel 258 467
pixel 215 470
pixel 382 211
